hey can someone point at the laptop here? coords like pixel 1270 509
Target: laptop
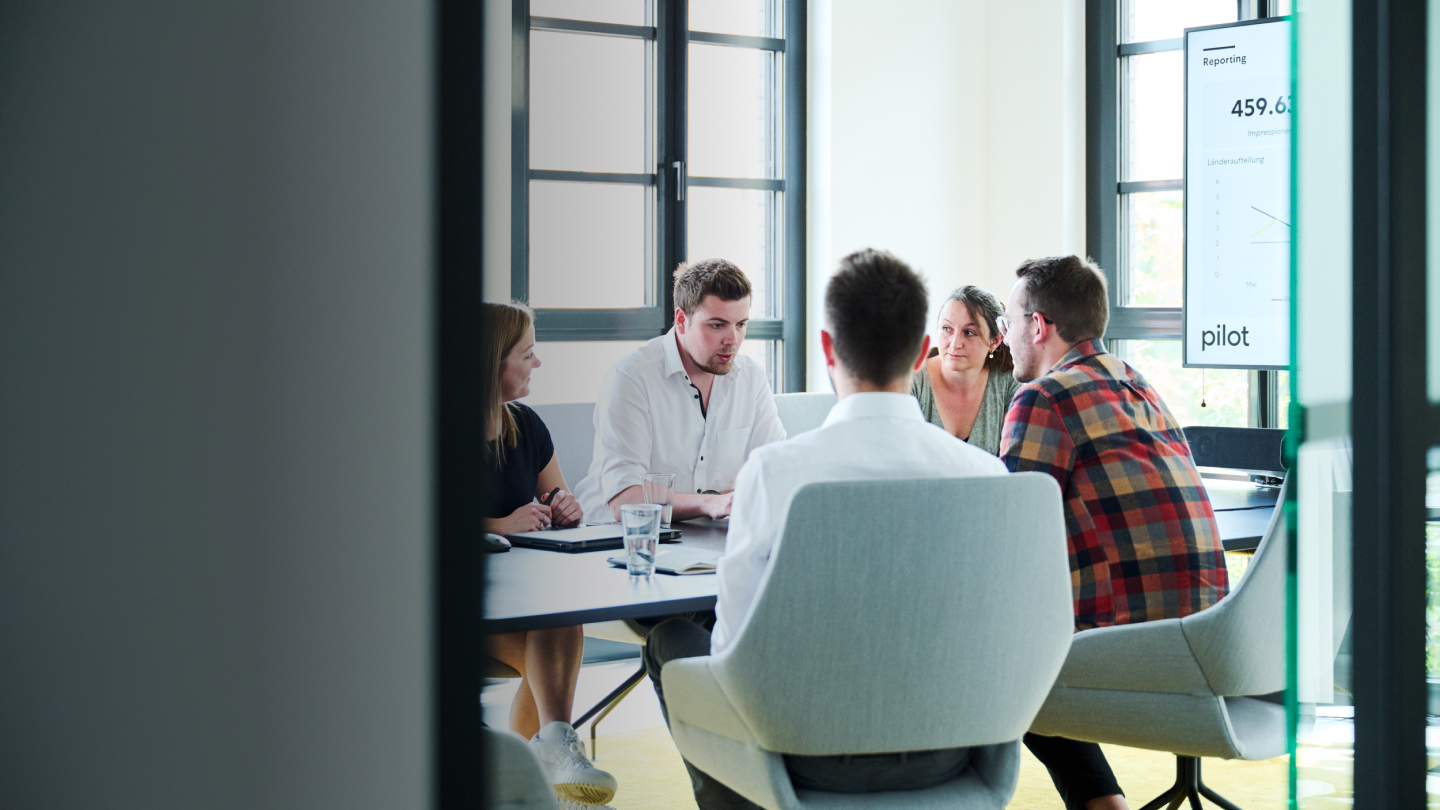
pixel 582 538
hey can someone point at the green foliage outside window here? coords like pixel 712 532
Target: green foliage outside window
pixel 1157 227
pixel 1225 392
pixel 1432 599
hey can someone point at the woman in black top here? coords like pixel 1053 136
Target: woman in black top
pixel 517 442
pixel 524 469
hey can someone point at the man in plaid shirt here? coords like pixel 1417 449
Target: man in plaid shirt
pixel 1143 540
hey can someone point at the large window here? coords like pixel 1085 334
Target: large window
pixel 1135 229
pixel 647 133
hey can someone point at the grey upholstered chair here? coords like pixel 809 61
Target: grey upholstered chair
pixel 1188 686
pixel 802 412
pixel 514 780
pixel 572 429
pixel 896 615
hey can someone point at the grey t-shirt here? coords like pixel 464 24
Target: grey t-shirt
pixel 1000 388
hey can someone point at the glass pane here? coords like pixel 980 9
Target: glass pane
pixel 1283 387
pixel 571 371
pixel 1322 342
pixel 769 354
pixel 745 17
pixel 1215 397
pixel 1154 237
pixel 1143 20
pixel 587 103
pixel 1325 758
pixel 625 12
pixel 1154 118
pixel 735 224
pixel 587 245
pixel 730 112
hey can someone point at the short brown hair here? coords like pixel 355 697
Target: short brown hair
pixel 715 277
pixel 875 308
pixel 1070 291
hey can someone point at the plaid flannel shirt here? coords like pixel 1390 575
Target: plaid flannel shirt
pixel 1143 540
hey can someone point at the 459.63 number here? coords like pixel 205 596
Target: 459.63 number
pixel 1247 107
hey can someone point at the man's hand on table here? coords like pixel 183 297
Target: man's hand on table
pixel 717 506
pixel 686 507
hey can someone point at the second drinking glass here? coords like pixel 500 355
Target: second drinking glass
pixel 659 489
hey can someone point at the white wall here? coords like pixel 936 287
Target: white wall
pixel 949 133
pixel 214 404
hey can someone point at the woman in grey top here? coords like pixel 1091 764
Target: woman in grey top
pixel 966 385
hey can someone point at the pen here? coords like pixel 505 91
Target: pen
pixel 545 501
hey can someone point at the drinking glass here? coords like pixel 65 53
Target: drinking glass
pixel 642 536
pixel 660 490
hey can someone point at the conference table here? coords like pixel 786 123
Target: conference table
pixel 1242 511
pixel 532 589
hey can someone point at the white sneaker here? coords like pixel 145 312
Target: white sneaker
pixel 562 755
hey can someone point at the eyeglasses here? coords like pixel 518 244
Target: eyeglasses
pixel 1004 322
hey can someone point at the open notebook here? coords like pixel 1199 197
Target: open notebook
pixel 680 561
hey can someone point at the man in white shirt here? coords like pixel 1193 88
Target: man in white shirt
pixel 875 311
pixel 685 403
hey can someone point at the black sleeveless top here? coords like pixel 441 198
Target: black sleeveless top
pixel 513 484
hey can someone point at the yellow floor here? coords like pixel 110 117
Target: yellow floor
pixel 652 776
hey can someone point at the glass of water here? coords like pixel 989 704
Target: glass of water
pixel 642 536
pixel 659 489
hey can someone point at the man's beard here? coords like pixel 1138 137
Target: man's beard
pixel 1024 370
pixel 713 366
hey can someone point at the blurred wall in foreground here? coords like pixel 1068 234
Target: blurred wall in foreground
pixel 214 404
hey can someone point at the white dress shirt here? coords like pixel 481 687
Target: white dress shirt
pixel 866 436
pixel 648 419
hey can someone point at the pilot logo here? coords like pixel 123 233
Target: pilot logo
pixel 1221 337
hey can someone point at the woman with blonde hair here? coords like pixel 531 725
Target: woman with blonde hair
pixel 527 493
pixel 966 386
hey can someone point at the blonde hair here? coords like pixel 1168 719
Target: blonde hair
pixel 504 325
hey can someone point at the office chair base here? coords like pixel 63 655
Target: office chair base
pixel 1188 785
pixel 609 702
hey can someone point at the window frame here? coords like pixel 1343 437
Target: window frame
pixel 672 38
pixel 1106 190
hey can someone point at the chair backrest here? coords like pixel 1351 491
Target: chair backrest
pixel 572 429
pixel 1240 641
pixel 904 615
pixel 514 779
pixel 802 412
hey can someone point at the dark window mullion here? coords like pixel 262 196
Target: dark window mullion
pixel 756 183
pixel 793 266
pixel 671 19
pixel 1152 46
pixel 617 178
pixel 737 41
pixel 588 27
pixel 1102 125
pixel 520 150
pixel 1149 185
